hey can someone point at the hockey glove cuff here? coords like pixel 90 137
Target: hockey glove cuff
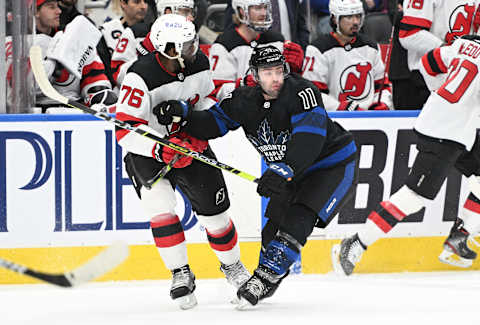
pixel 172 111
pixel 378 107
pixel 276 180
pixel 165 154
pixel 293 54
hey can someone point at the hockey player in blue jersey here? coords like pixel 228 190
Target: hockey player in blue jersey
pixel 312 161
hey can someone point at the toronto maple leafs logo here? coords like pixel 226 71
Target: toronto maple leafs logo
pixel 270 147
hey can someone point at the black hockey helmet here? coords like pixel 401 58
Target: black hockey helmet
pixel 267 56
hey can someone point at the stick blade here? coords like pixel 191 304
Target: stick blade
pixel 36 61
pixel 102 263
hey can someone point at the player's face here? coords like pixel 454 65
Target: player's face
pixel 350 25
pixel 134 10
pixel 271 80
pixel 257 13
pixel 189 50
pixel 48 15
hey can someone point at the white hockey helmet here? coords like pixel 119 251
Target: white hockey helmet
pixel 179 7
pixel 178 31
pixel 340 8
pixel 259 26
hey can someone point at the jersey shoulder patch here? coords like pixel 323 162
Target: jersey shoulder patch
pixel 150 71
pixel 270 36
pixel 325 42
pixel 140 29
pixel 364 40
pixel 230 39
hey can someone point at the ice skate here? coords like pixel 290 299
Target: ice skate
pixel 236 273
pixel 260 286
pixel 347 254
pixel 455 248
pixel 183 285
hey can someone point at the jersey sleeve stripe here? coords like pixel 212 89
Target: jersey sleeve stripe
pixel 438 59
pixel 130 118
pixel 94 66
pixel 224 122
pixel 93 79
pixel 310 122
pixel 417 22
pixel 406 33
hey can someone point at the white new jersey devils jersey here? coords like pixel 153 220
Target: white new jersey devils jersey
pixel 112 30
pixel 351 72
pixel 230 56
pixel 451 112
pixel 128 48
pixel 148 84
pixel 427 24
pixel 93 76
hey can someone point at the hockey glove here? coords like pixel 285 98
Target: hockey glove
pixel 165 154
pixel 293 54
pixel 276 180
pixel 104 100
pixel 248 81
pixel 198 145
pixel 378 107
pixel 172 111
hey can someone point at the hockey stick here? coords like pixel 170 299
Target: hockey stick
pixel 100 264
pixel 48 90
pixel 388 54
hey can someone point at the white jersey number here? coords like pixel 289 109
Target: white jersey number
pixel 308 98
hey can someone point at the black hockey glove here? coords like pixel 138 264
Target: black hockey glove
pixel 276 180
pixel 172 111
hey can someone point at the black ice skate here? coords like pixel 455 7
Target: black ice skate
pixel 236 273
pixel 261 285
pixel 183 285
pixel 347 254
pixel 455 249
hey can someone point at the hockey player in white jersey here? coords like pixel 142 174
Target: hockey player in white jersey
pixel 427 24
pixel 71 59
pixel 135 39
pixel 133 11
pixel 345 65
pixel 176 71
pixel 231 51
pixel 447 138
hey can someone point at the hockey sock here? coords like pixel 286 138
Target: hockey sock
pixel 388 213
pixel 222 237
pixel 471 214
pixel 170 240
pixel 281 253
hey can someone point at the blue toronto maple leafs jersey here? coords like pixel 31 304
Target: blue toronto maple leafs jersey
pixel 294 128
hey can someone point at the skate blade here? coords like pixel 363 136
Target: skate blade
pixel 234 301
pixel 337 267
pixel 187 302
pixel 451 258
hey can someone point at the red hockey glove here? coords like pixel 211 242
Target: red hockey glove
pixel 293 54
pixel 197 144
pixel 248 81
pixel 349 106
pixel 378 107
pixel 166 154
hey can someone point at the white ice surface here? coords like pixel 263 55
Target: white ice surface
pixel 408 299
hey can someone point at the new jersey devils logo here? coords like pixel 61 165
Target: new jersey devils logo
pixel 355 82
pixel 459 22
